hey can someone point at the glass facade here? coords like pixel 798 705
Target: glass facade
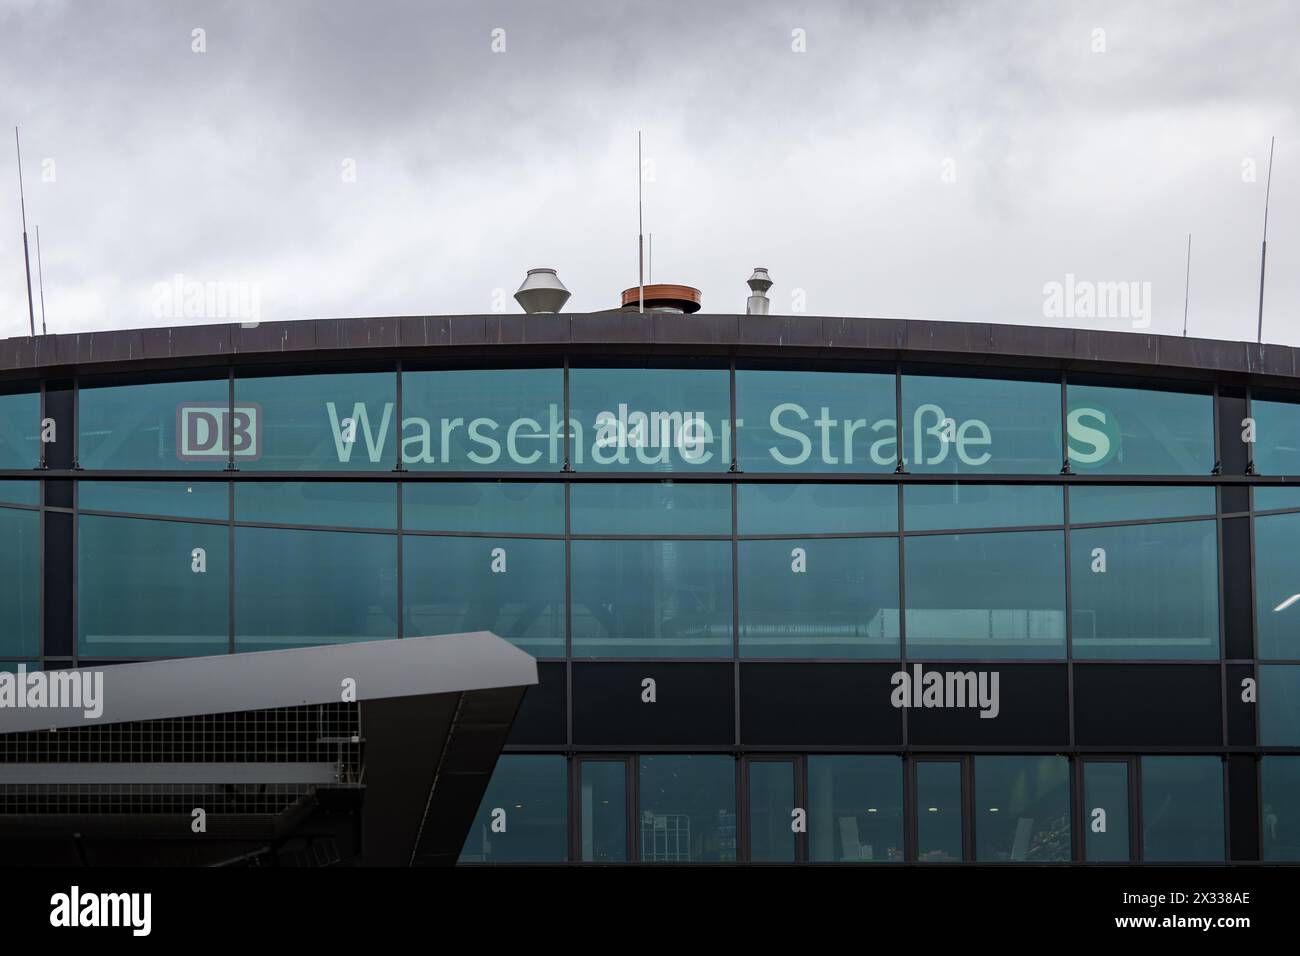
pixel 746 542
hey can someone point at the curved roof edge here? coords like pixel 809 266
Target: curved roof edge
pixel 983 343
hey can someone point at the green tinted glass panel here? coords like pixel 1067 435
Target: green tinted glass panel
pixel 986 595
pixel 816 509
pixel 511 587
pixel 20 570
pixel 20 492
pixel 1105 804
pixel 771 809
pixel 502 507
pixel 159 425
pixel 523 816
pixel 638 419
pixel 651 598
pixel 1182 809
pixel 973 425
pixel 1129 431
pixel 815 421
pixel 1277 585
pixel 1277 437
pixel 1091 504
pixel 20 422
pixel 1148 591
pixel 1279 705
pixel 330 422
pixel 602 814
pixel 360 504
pixel 1280 796
pixel 297 588
pixel 1022 809
pixel 142 591
pixel 660 508
pixel 483 419
pixel 1276 499
pixel 687 809
pixel 855 809
pixel 944 507
pixel 939 827
pixel 820 597
pixel 172 499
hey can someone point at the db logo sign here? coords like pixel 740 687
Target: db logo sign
pixel 207 432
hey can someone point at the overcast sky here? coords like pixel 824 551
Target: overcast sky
pixel 911 160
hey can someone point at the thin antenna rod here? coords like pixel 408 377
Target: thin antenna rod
pixel 40 275
pixel 651 268
pixel 1263 249
pixel 1186 286
pixel 27 260
pixel 640 239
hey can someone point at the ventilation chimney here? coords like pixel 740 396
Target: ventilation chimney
pixel 758 302
pixel 542 291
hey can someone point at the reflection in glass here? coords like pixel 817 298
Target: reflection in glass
pixel 513 587
pixel 1105 811
pixel 938 811
pixel 952 507
pixel 152 588
pixel 1279 705
pixel 1022 809
pixel 500 507
pixel 1277 438
pixel 173 499
pixel 769 508
pixel 1280 795
pixel 687 811
pixel 986 595
pixel 523 816
pixel 603 811
pixel 771 808
pixel 1182 809
pixel 1130 431
pixel 158 425
pixel 1277 585
pixel 855 808
pixel 20 570
pixel 20 422
pixel 1146 591
pixel 356 504
pixel 820 597
pixel 651 598
pixel 20 492
pixel 659 508
pixel 1091 504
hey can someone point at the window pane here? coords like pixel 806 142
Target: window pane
pixel 1277 437
pixel 855 808
pixel 815 421
pixel 1022 809
pixel 1280 786
pixel 943 507
pixel 1182 809
pixel 156 425
pixel 938 811
pixel 1105 805
pixel 139 593
pixel 1279 705
pixel 513 587
pixel 771 808
pixel 1096 503
pixel 1129 431
pixel 651 598
pixel 821 597
pixel 639 419
pixel 964 425
pixel 604 811
pixel 20 421
pixel 523 817
pixel 483 419
pixel 503 507
pixel 816 509
pixel 986 595
pixel 296 588
pixel 360 504
pixel 301 422
pixel 1275 499
pixel 659 508
pixel 1146 591
pixel 688 809
pixel 20 492
pixel 1277 585
pixel 20 570
pixel 172 499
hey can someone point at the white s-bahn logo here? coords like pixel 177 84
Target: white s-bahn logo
pixel 1094 436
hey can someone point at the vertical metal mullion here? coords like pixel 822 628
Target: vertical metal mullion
pixel 911 826
pixel 41 465
pixel 634 807
pixel 967 765
pixel 743 854
pixel 230 510
pixel 801 851
pixel 1135 809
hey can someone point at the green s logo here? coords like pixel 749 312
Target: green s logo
pixel 1094 437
